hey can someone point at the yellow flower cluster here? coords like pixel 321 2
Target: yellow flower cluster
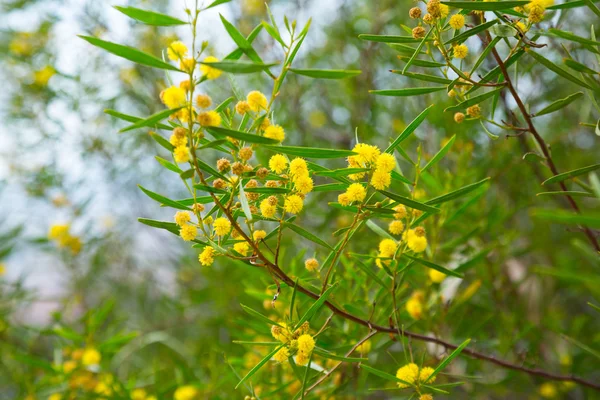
pixel 387 249
pixel 187 392
pixel 63 238
pixel 207 257
pixel 414 305
pixel 536 10
pixel 411 374
pixel 460 51
pixel 311 264
pixel 297 342
pixel 415 239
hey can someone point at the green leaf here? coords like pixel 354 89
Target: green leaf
pixel 326 73
pixel 162 141
pixel 407 91
pixel 397 176
pixel 567 5
pixel 579 67
pixel 129 53
pixel 474 31
pixel 409 202
pixel 131 118
pixel 330 187
pixel 423 77
pixel 341 172
pixel 384 375
pixel 241 41
pixel 571 174
pixel 572 37
pixel 268 190
pixel 582 346
pixel 316 305
pixel 417 51
pixel 150 17
pixel 558 104
pixel 408 130
pixel 238 53
pixel 311 152
pixel 592 7
pixel 246 137
pixel 423 63
pixel 457 193
pixel 473 100
pixel 567 193
pixel 332 356
pixel 217 3
pixel 239 67
pixel 209 189
pixel 163 200
pixel 151 120
pixel 244 203
pixel 258 366
pixel 379 230
pixel 440 154
pixel 388 38
pixel 486 6
pixel 273 32
pixel 303 232
pixel 567 217
pixel 504 31
pixel 431 265
pixel 259 316
pixel 168 165
pixel 169 226
pixel 448 359
pixel 556 69
pixel 484 54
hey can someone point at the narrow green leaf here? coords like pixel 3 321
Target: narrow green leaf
pixel 504 31
pixel 210 189
pixel 473 31
pixel 129 53
pixel 558 104
pixel 238 53
pixel 408 130
pixel 241 41
pixel 268 190
pixel 163 200
pixel 131 118
pixel 571 174
pixel 303 232
pixel 168 165
pixel 388 38
pixel 593 7
pixel 422 77
pixel 448 359
pixel 473 100
pixel 385 375
pixel 556 69
pixel 316 305
pixel 567 193
pixel 423 63
pixel 330 187
pixel 574 38
pixel 326 73
pixel 246 137
pixel 484 54
pixel 496 71
pixel 217 3
pixel 431 265
pixel 409 202
pixel 258 366
pixel 457 193
pixel 582 346
pixel 591 220
pixel 379 230
pixel 397 176
pixel 169 226
pixel 486 6
pixel 311 152
pixel 407 91
pixel 150 17
pixel 332 356
pixel 579 67
pixel 151 120
pixel 259 316
pixel 239 67
pixel 440 154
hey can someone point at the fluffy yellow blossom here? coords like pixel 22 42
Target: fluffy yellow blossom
pixel 298 167
pixel 387 248
pixel 281 332
pixel 173 97
pixel 187 65
pixel 178 141
pixel 536 10
pixel 401 212
pixel 385 162
pixel 55 396
pixel 343 199
pixel 474 111
pixel 444 10
pixel 266 209
pixel 278 163
pixel 69 366
pixel 408 373
pixel 381 179
pixel 209 118
pixel 414 307
pixel 185 85
pixel 457 21
pixel 459 117
pixel 58 230
pixel 460 51
pixel 356 192
pixel 426 396
pixel 203 100
pixel 415 242
pixel 257 101
pixel 522 27
pixel 436 276
pixel 293 204
pixel 182 217
pixel 259 235
pixel 548 390
pixel 242 107
pixel 207 256
pixel 366 153
pixel 282 355
pixel 306 344
pixel 181 154
pixel 188 232
pixel 275 132
pixel 364 348
pixel 311 264
pixel 242 248
pixel 176 51
pixel 425 373
pixel 303 184
pixel 208 71
pixel 186 393
pixel 42 76
pixel 138 394
pixel 396 227
pixel 91 356
pixel 222 226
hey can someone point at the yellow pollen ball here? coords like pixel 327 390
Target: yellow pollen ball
pixel 188 232
pixel 181 154
pixel 436 276
pixel 209 118
pixel 186 393
pixel 381 179
pixel 256 100
pixel 396 227
pixel 203 100
pixel 176 51
pixel 182 217
pixel 207 70
pixel 173 97
pixel 207 257
pixel 356 192
pixel 278 163
pixel 222 226
pixel 311 264
pixel 275 132
pixel 460 51
pixel 293 204
pixel 91 356
pixel 259 235
pixel 457 21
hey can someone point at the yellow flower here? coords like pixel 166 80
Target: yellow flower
pixel 408 373
pixel 178 141
pixel 301 359
pixel 138 394
pixel 425 373
pixel 381 179
pixel 55 396
pixel 91 356
pixel 186 393
pixel 306 344
pixel 401 212
pixel 385 162
pixel 173 97
pixel 42 76
pixel 460 51
pixel 182 217
pixel 444 10
pixel 280 332
pixel 275 132
pixel 242 107
pixel 282 355
pixel 311 264
pixel 414 307
pixel 278 163
pixel 426 396
pixel 522 27
pixel 181 154
pixel 259 235
pixel 188 232
pixel 298 167
pixel 343 199
pixel 257 101
pixel 208 71
pixel 203 100
pixel 356 192
pixel 69 366
pixel 474 111
pixel 436 276
pixel 415 242
pixel 207 256
pixel 293 204
pixel 396 227
pixel 548 390
pixel 57 231
pixel 209 118
pixel 433 8
pixel 187 65
pixel 222 226
pixel 387 248
pixel 266 209
pixel 176 51
pixel 457 21
pixel 303 184
pixel 364 348
pixel 241 247
pixel 366 153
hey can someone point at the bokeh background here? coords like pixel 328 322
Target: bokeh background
pixel 62 161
